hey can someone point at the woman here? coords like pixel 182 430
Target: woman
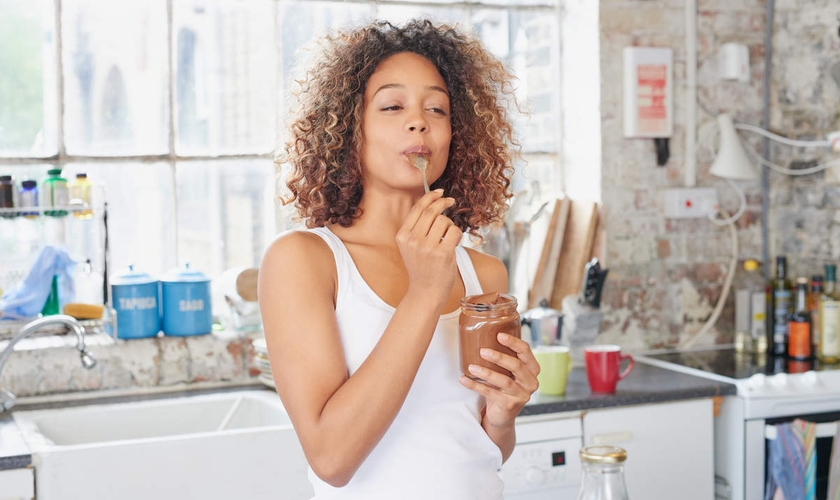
pixel 361 310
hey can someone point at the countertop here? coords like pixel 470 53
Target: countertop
pixel 644 385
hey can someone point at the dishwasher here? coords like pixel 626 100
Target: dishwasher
pixel 545 464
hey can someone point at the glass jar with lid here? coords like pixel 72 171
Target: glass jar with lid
pixel 603 473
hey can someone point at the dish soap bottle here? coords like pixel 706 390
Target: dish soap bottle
pixel 603 473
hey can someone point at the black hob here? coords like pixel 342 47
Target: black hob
pixel 735 365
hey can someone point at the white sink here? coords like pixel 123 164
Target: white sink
pixel 168 449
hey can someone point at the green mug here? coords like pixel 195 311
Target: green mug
pixel 555 364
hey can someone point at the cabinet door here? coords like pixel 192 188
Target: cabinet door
pixel 670 447
pixel 17 484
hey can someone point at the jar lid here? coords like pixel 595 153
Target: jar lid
pixel 184 275
pixel 603 454
pixel 29 184
pixel 5 177
pixel 132 277
pixel 81 175
pixel 54 171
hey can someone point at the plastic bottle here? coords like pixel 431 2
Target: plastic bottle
pixel 750 311
pixel 7 196
pixel 55 193
pixel 80 195
pixel 603 473
pixel 28 197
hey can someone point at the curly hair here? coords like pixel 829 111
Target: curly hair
pixel 325 141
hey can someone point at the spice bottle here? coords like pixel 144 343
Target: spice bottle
pixel 28 197
pixel 603 473
pixel 80 196
pixel 7 196
pixel 55 193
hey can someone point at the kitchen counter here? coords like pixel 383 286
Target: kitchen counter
pixel 644 385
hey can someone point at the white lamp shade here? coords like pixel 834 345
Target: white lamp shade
pixel 732 161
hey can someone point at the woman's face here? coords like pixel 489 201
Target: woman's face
pixel 406 111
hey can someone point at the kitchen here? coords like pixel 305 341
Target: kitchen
pixel 665 274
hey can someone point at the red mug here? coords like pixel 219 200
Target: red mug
pixel 602 367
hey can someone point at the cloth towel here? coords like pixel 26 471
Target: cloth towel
pixel 792 460
pixel 834 467
pixel 27 299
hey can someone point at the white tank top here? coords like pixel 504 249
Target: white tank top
pixel 435 448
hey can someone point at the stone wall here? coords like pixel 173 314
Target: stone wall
pixel 666 275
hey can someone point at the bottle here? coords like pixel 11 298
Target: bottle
pixel 750 309
pixel 80 196
pixel 814 308
pixel 603 473
pixel 51 306
pixel 829 344
pixel 28 197
pixel 799 326
pixel 55 193
pixel 7 196
pixel 780 309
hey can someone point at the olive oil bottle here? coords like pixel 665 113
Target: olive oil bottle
pixel 828 350
pixel 781 307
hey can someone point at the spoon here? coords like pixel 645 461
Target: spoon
pixel 420 162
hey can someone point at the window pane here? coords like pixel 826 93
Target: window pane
pixel 27 79
pixel 115 77
pixel 399 14
pixel 532 52
pixel 225 213
pixel 301 22
pixel 225 69
pixel 141 213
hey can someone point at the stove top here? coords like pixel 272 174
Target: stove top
pixel 728 363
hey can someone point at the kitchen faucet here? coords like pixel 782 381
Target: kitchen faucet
pixel 7 399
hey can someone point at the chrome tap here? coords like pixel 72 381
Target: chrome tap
pixel 7 399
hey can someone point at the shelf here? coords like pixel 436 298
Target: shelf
pixel 42 210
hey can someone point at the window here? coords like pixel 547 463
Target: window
pixel 174 107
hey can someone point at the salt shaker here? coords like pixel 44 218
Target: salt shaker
pixel 603 473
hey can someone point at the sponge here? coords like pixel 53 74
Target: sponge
pixel 84 311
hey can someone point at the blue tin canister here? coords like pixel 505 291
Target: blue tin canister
pixel 185 294
pixel 134 295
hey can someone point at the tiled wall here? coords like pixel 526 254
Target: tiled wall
pixel 666 275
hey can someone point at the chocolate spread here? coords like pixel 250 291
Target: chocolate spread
pixel 482 318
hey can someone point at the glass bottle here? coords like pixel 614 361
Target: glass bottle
pixel 781 307
pixel 814 294
pixel 28 197
pixel 7 196
pixel 829 344
pixel 750 311
pixel 80 195
pixel 603 473
pixel 55 193
pixel 799 326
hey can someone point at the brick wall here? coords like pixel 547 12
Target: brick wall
pixel 666 275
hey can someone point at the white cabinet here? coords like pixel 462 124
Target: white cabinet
pixel 17 484
pixel 670 447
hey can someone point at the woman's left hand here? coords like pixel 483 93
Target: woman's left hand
pixel 505 396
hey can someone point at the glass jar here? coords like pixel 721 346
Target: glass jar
pixel 603 473
pixel 482 318
pixel 55 193
pixel 7 195
pixel 28 197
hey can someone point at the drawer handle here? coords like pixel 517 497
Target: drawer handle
pixel 615 437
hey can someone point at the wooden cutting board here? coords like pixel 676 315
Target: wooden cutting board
pixel 246 284
pixel 543 284
pixel 576 250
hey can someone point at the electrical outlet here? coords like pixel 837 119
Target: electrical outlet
pixel 690 203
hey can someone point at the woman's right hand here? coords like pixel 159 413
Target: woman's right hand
pixel 427 241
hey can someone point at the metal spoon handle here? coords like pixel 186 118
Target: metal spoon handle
pixel 425 182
